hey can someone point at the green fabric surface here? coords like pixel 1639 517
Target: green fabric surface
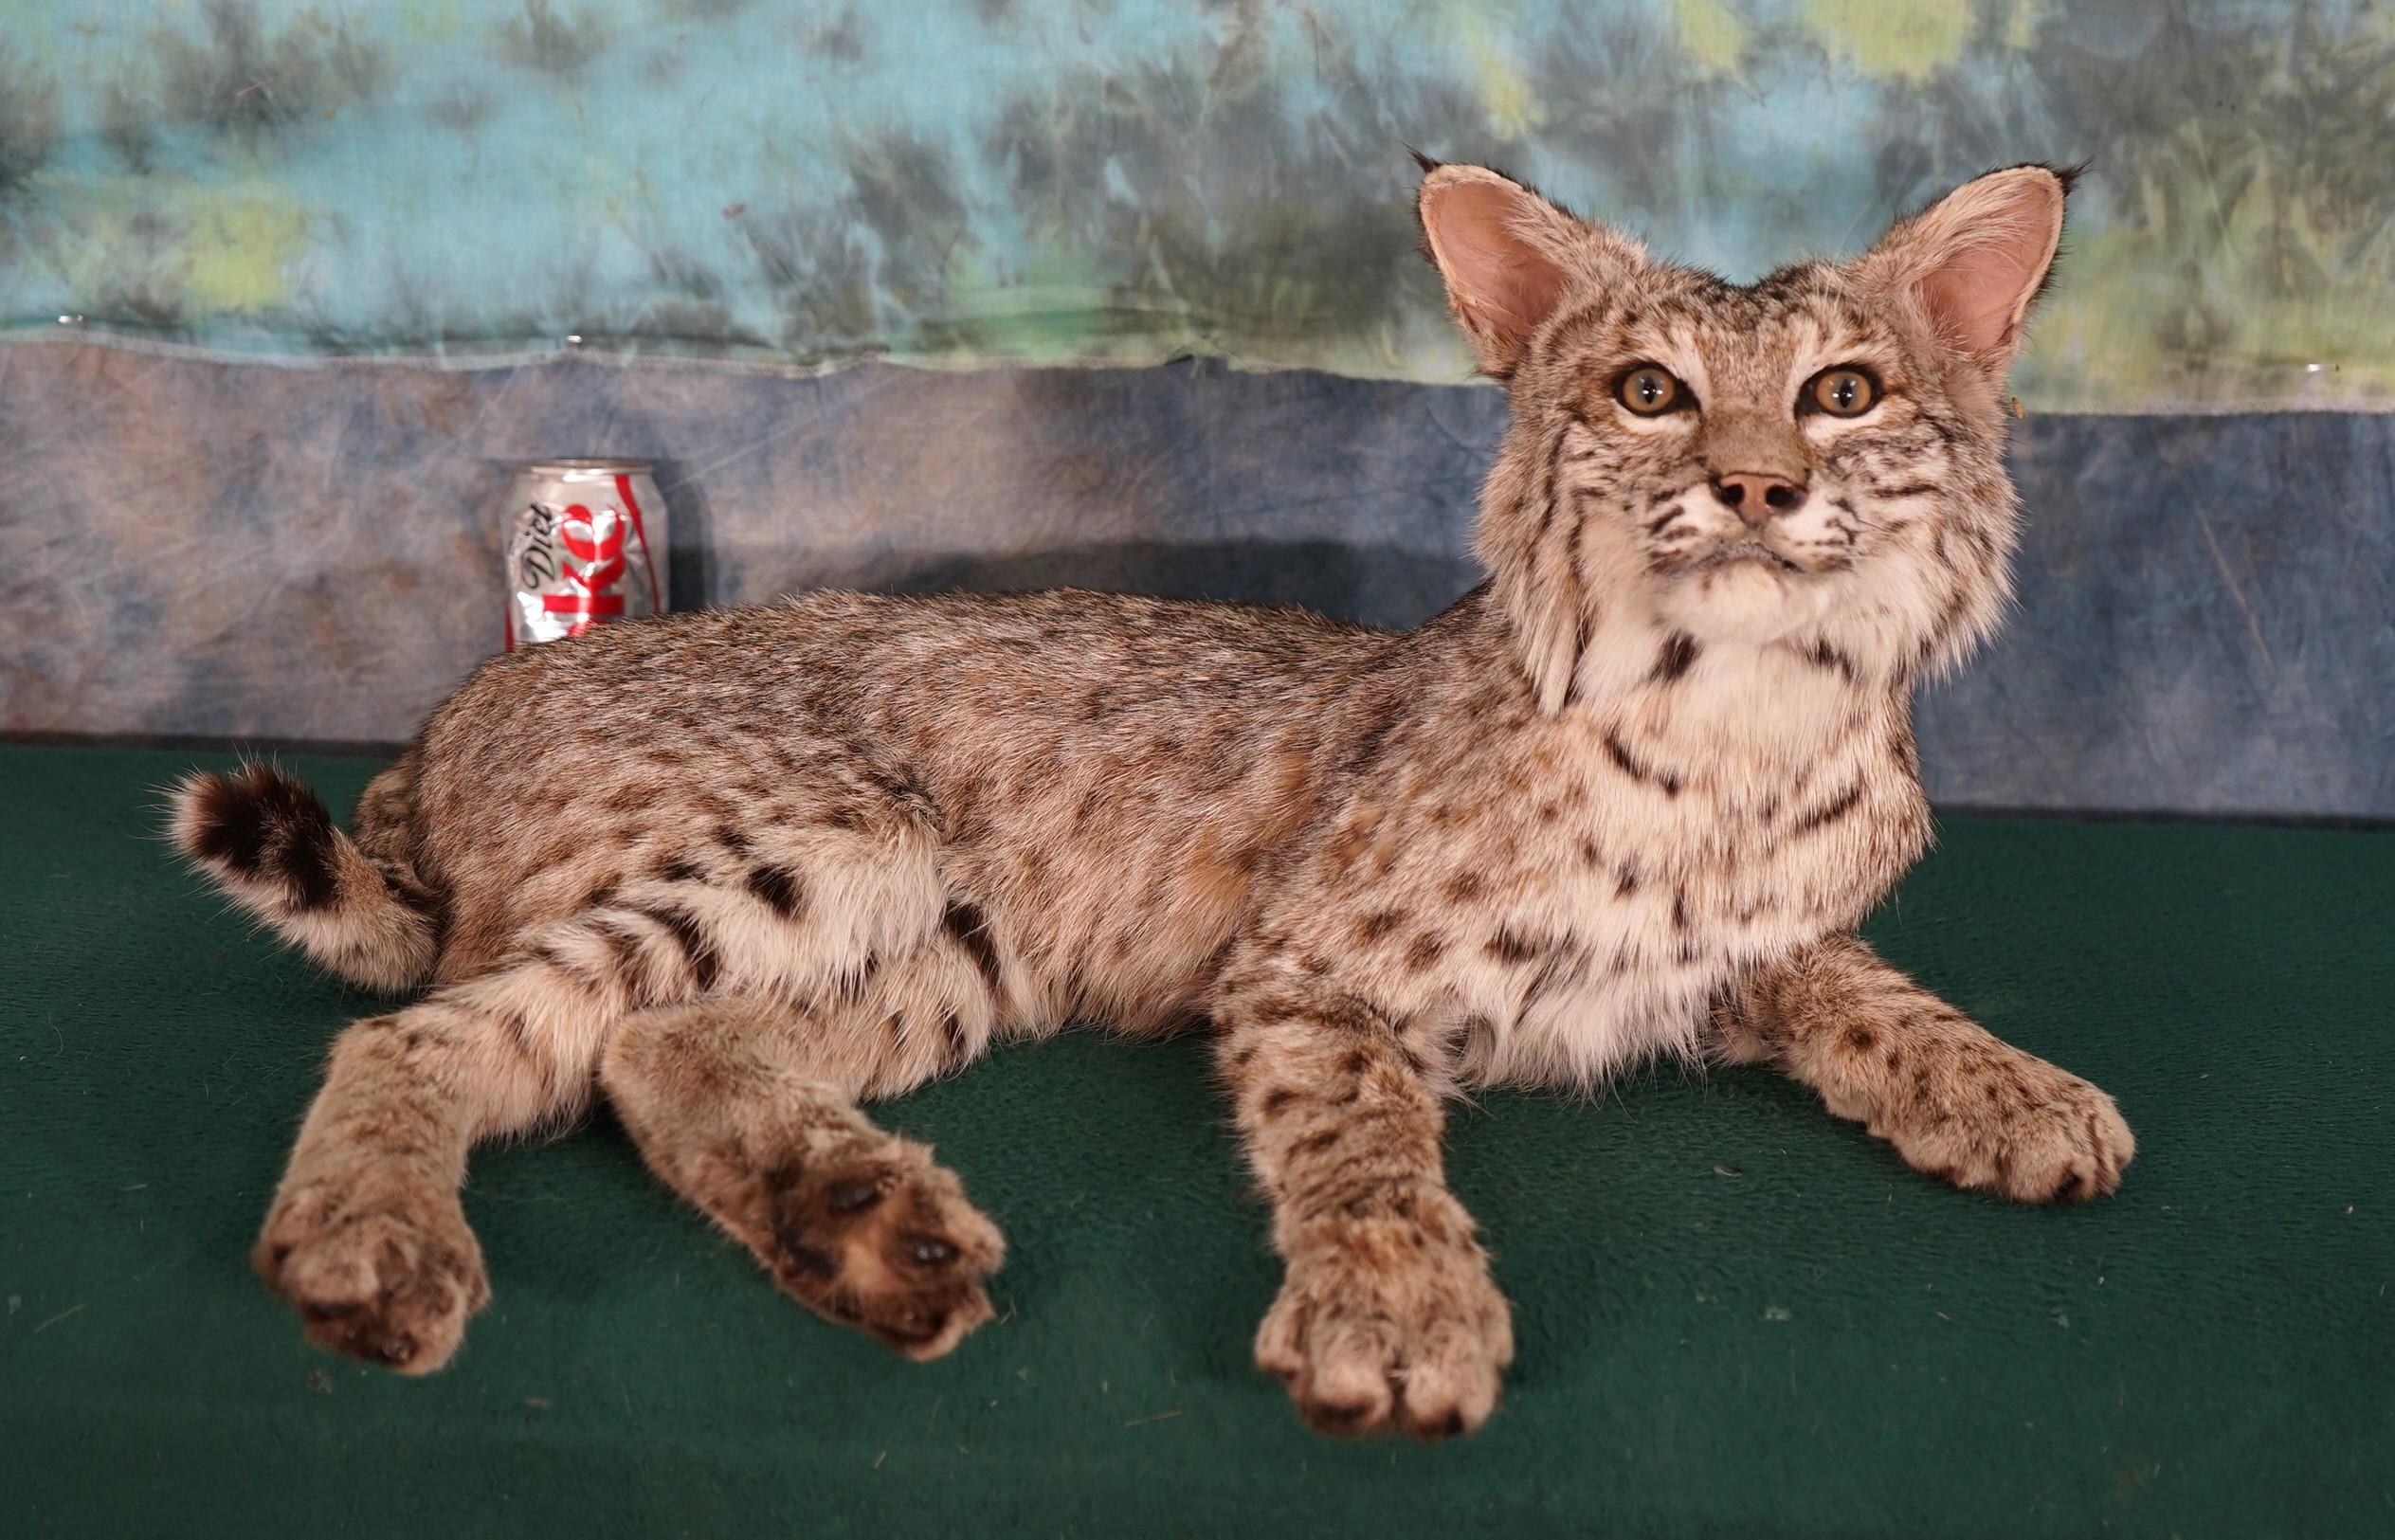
pixel 1737 1315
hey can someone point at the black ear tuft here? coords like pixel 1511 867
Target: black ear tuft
pixel 2068 174
pixel 1422 160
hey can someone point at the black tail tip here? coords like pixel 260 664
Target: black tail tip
pixel 260 825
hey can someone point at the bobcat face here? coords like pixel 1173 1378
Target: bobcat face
pixel 1815 459
pixel 1765 460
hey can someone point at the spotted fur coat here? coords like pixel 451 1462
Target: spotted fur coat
pixel 742 871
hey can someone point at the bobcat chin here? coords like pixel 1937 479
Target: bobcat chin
pixel 742 871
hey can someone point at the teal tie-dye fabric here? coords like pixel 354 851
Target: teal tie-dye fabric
pixel 791 185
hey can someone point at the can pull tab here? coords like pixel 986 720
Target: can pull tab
pixel 602 556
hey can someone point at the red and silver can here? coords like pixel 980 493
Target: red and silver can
pixel 586 543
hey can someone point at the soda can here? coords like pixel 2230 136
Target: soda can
pixel 586 544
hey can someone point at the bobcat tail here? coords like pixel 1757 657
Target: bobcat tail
pixel 270 845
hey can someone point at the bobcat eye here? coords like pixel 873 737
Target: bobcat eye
pixel 1649 388
pixel 1843 392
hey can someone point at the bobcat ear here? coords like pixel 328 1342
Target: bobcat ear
pixel 1977 258
pixel 1505 252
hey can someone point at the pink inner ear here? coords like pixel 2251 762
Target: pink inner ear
pixel 1980 290
pixel 1499 281
pixel 1978 297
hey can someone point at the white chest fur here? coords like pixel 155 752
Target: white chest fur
pixel 1697 831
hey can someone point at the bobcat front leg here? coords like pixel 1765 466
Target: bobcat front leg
pixel 1956 1101
pixel 1387 1313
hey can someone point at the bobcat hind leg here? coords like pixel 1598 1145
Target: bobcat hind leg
pixel 746 1106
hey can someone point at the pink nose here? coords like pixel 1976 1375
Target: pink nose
pixel 1755 496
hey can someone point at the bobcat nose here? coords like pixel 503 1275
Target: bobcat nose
pixel 1756 496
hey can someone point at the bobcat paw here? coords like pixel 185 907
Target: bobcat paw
pixel 391 1277
pixel 879 1237
pixel 1391 1323
pixel 2012 1124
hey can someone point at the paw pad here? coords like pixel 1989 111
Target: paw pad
pixel 882 1240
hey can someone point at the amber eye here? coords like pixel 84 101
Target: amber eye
pixel 1843 392
pixel 1649 388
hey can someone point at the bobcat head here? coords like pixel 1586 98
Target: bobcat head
pixel 1812 462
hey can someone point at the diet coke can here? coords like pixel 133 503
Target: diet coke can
pixel 586 543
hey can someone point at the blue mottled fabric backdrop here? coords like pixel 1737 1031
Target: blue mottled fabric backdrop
pixel 1067 180
pixel 285 285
